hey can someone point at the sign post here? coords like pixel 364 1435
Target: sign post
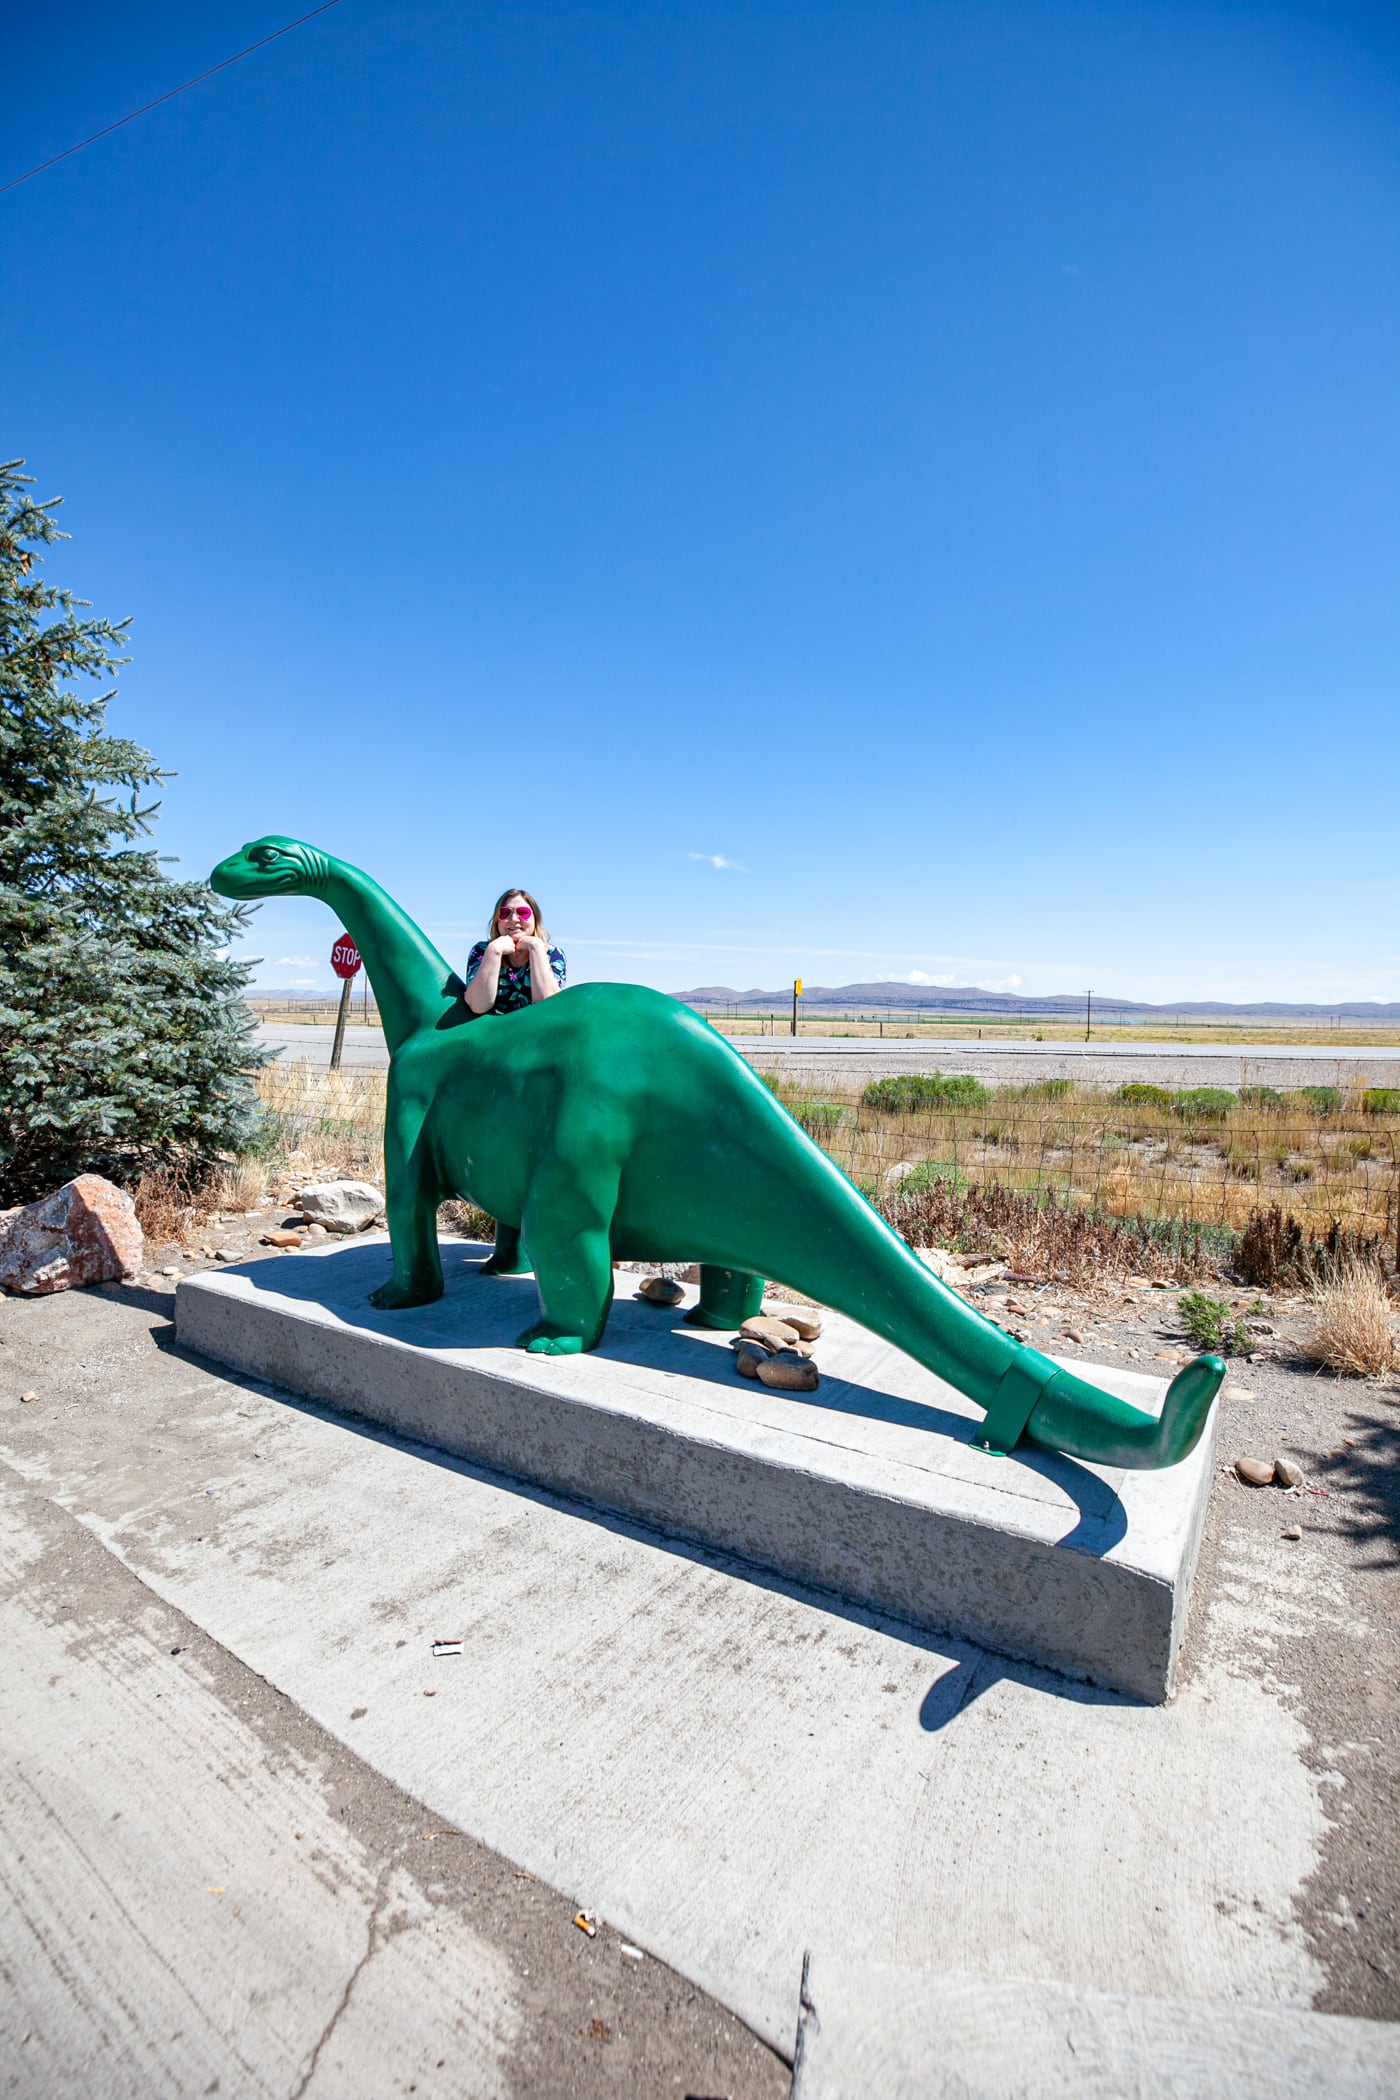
pixel 796 995
pixel 345 961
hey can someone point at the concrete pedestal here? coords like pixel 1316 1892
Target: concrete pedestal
pixel 868 1488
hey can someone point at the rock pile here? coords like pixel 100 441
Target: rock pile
pixel 776 1349
pixel 85 1232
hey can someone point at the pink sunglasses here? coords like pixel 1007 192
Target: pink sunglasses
pixel 509 911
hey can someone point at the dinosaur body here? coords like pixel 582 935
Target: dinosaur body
pixel 612 1124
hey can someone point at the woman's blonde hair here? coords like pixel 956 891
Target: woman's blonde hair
pixel 515 891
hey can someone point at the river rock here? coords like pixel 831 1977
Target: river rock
pixel 763 1327
pixel 341 1206
pixel 804 1320
pixel 789 1372
pixel 747 1358
pixel 660 1290
pixel 1255 1472
pixel 85 1232
pixel 1287 1473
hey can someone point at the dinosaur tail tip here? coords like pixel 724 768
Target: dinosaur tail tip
pixel 1187 1405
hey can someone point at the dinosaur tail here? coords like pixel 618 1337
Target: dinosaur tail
pixel 834 1246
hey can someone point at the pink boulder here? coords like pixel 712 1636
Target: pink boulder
pixel 85 1232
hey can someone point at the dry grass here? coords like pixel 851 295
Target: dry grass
pixel 467 1220
pixel 241 1186
pixel 1077 1185
pixel 1044 1238
pixel 323 1123
pixel 1133 1160
pixel 167 1204
pixel 1351 1330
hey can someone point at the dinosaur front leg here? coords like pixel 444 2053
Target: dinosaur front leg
pixel 567 1224
pixel 412 1207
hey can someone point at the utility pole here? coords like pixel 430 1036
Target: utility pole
pixel 1088 1013
pixel 796 995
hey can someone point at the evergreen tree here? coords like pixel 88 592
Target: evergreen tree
pixel 124 1040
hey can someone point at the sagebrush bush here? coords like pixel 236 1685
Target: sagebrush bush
pixel 1324 1100
pixel 928 1174
pixel 821 1119
pixel 1203 1104
pixel 1381 1101
pixel 907 1092
pixel 1261 1097
pixel 1141 1094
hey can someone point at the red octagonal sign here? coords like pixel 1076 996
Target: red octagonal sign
pixel 345 956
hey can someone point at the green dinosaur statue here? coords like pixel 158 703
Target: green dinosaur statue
pixel 612 1123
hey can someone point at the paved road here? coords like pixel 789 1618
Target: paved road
pixel 852 1061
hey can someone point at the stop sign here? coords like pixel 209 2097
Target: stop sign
pixel 345 956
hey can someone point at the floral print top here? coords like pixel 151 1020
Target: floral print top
pixel 513 991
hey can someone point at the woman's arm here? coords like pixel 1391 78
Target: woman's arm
pixel 485 981
pixel 543 982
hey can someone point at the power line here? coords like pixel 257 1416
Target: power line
pixel 208 74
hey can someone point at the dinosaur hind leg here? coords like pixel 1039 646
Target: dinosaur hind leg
pixel 507 1259
pixel 728 1297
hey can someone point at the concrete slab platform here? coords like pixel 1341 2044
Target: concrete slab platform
pixel 868 1489
pixel 915 2034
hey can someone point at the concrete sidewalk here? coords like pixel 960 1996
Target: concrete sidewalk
pixel 906 2034
pixel 728 1770
pixel 204 1892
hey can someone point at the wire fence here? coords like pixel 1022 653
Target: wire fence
pixel 1192 1172
pixel 1330 1164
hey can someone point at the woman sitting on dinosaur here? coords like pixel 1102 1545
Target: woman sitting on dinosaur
pixel 515 965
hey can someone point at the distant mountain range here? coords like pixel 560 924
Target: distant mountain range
pixel 971 999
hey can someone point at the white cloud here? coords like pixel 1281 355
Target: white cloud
pixel 1002 984
pixel 922 977
pixel 717 860
pixel 298 962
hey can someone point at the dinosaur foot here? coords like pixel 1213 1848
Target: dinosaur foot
pixel 1075 1417
pixel 544 1339
pixel 508 1265
pixel 698 1316
pixel 397 1297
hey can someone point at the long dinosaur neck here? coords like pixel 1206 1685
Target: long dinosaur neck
pixel 413 986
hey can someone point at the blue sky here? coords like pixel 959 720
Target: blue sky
pixel 851 490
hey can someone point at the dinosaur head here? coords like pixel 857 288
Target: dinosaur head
pixel 271 867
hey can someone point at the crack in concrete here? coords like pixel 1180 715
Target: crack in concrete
pixel 374 1940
